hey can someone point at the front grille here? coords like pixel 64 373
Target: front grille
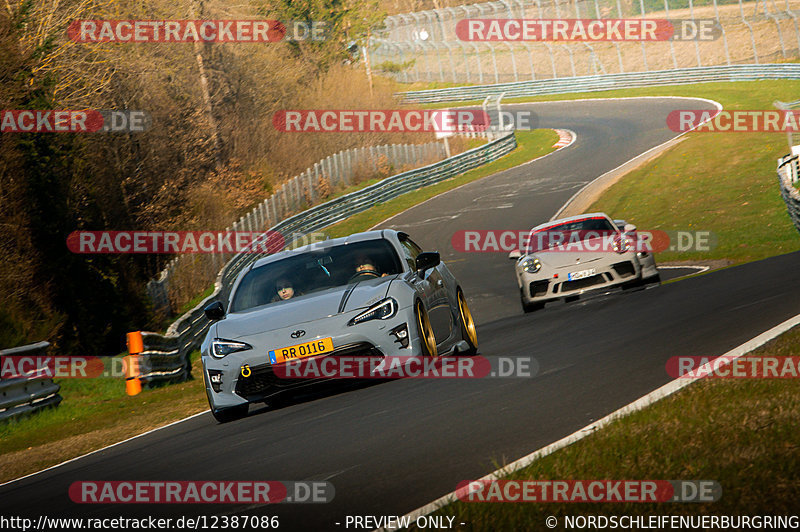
pixel 538 288
pixel 263 382
pixel 581 284
pixel 624 268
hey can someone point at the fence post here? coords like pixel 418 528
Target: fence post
pixel 329 168
pixel 264 224
pixel 228 230
pixel 373 158
pixel 349 165
pixel 337 158
pixel 310 183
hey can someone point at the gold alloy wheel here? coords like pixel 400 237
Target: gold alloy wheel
pixel 427 339
pixel 467 321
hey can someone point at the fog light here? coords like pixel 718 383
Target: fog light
pixel 215 378
pixel 400 334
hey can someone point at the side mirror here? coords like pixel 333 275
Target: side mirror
pixel 514 255
pixel 214 311
pixel 427 260
pixel 629 228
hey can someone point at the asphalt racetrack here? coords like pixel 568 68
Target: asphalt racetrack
pixel 391 447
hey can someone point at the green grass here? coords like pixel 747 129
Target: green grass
pixel 189 305
pixel 94 412
pixel 741 433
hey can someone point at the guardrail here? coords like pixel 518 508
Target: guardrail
pixel 20 396
pixel 607 82
pixel 788 171
pixel 166 358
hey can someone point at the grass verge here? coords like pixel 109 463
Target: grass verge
pixel 94 413
pixel 741 433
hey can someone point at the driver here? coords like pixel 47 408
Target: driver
pixel 365 269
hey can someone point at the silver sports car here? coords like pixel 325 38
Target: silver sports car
pixel 567 257
pixel 374 294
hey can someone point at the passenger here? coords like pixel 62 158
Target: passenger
pixel 284 289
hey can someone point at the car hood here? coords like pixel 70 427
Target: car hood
pixel 564 259
pixel 303 309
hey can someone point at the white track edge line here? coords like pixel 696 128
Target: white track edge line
pixel 644 401
pixel 574 136
pixel 103 448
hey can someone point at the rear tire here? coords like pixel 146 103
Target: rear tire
pixel 468 330
pixel 427 340
pixel 225 415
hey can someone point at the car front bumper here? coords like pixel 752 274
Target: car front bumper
pixel 248 376
pixel 550 284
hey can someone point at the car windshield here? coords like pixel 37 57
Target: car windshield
pixel 575 231
pixel 318 269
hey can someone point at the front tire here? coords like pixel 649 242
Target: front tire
pixel 225 415
pixel 654 280
pixel 427 340
pixel 528 307
pixel 468 330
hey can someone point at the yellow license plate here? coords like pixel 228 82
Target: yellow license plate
pixel 308 349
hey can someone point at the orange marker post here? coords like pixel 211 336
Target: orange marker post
pixel 135 346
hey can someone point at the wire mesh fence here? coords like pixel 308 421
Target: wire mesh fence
pixel 424 46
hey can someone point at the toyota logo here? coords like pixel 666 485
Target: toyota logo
pixel 298 333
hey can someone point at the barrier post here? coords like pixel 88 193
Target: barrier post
pixel 135 346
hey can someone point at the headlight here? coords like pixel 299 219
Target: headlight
pixel 382 310
pixel 221 348
pixel 622 244
pixel 531 265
